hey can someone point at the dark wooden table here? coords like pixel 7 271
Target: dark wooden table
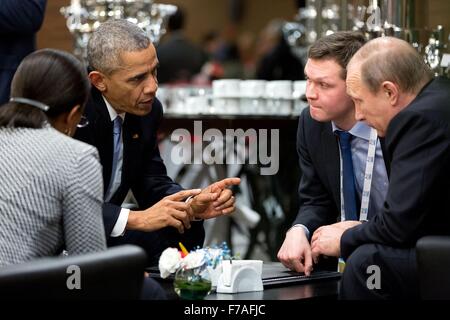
pixel 326 289
pixel 279 284
pixel 321 289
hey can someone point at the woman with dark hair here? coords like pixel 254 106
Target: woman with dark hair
pixel 51 189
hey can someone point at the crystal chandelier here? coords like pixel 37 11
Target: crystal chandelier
pixel 85 16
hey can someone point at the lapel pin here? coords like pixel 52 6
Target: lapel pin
pixel 135 136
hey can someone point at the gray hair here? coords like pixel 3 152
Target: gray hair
pixel 111 39
pixel 395 60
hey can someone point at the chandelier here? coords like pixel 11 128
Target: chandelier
pixel 85 16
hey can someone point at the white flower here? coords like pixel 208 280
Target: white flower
pixel 194 259
pixel 169 262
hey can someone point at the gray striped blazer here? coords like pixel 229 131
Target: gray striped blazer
pixel 51 194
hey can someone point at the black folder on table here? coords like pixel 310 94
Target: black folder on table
pixel 274 274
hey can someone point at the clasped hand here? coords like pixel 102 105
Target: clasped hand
pixel 326 240
pixel 298 254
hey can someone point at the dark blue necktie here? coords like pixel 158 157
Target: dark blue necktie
pixel 117 129
pixel 348 176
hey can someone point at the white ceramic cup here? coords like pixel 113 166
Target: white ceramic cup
pixel 252 88
pixel 279 89
pixel 226 88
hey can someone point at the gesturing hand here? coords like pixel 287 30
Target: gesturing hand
pixel 214 200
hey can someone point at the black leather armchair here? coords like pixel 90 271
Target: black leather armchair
pixel 433 259
pixel 116 273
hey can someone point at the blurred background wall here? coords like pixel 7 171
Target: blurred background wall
pixel 218 15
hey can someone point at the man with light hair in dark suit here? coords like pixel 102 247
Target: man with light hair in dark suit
pixel 325 196
pixel 394 92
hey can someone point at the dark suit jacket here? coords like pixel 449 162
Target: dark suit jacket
pixel 143 169
pixel 19 21
pixel 319 190
pixel 417 202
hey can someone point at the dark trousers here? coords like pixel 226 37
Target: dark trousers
pixel 396 267
pixel 151 290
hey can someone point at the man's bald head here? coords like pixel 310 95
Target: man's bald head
pixel 390 59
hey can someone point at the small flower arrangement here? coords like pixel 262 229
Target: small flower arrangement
pixel 195 272
pixel 172 259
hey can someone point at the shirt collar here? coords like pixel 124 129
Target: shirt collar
pixel 360 130
pixel 112 113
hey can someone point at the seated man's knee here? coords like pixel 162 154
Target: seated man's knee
pixel 359 267
pixel 363 257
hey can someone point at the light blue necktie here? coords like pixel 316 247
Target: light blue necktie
pixel 117 129
pixel 348 176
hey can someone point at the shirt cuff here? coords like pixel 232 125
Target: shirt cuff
pixel 121 223
pixel 301 226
